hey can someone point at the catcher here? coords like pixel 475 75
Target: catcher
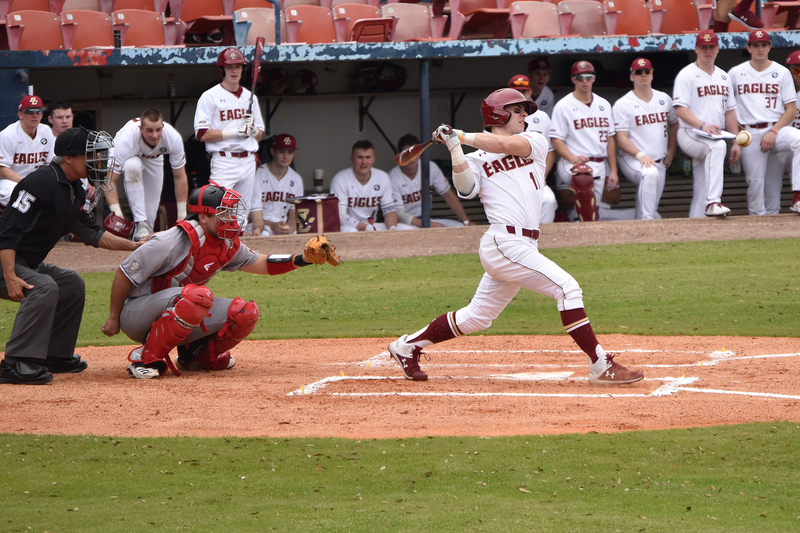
pixel 159 296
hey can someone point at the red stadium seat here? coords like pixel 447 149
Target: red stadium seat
pixel 531 20
pixel 362 23
pixel 34 30
pixel 158 6
pixel 204 16
pixel 251 23
pixel 478 19
pixel 286 4
pixel 310 24
pixel 683 16
pixel 415 22
pixel 91 29
pixel 84 5
pixel 589 18
pixel 141 28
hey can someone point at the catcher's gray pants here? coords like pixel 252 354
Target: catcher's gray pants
pixel 49 315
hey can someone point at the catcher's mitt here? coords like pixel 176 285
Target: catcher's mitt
pixel 319 251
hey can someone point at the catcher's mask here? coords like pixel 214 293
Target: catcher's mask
pixel 226 205
pixel 95 146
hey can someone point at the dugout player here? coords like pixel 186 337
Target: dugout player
pixel 46 205
pixel 507 171
pixel 704 100
pixel 539 74
pixel 60 116
pixel 647 134
pixel 407 188
pixel 276 183
pixel 793 62
pixel 159 297
pixel 230 133
pixel 139 149
pixel 766 105
pixel 25 146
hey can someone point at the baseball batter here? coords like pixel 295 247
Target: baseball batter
pixel 230 133
pixel 539 121
pixel 362 190
pixel 139 149
pixel 647 129
pixel 508 173
pixel 704 100
pixel 407 188
pixel 583 132
pixel 539 74
pixel 276 184
pixel 793 62
pixel 25 146
pixel 159 295
pixel 766 104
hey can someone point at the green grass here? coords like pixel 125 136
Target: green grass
pixel 735 478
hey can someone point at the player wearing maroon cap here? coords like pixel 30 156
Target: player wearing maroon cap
pixel 793 63
pixel 276 184
pixel 705 104
pixel 767 104
pixel 539 75
pixel 25 146
pixel 647 129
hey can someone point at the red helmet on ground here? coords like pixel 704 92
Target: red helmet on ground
pixel 118 226
pixel 794 58
pixel 493 107
pixel 229 56
pixel 581 67
pixel 582 168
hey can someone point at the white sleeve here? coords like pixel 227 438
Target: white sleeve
pixel 559 128
pixel 621 116
pixel 7 146
pixel 682 90
pixel 673 117
pixel 339 189
pixel 439 182
pixel 177 157
pixel 202 115
pixel 788 94
pixel 122 149
pixel 731 101
pixel 258 118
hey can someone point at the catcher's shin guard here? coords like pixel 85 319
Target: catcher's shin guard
pixel 585 202
pixel 175 324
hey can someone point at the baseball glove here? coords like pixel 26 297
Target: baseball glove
pixel 319 251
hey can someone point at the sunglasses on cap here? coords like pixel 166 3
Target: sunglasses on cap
pixel 640 71
pixel 32 111
pixel 583 77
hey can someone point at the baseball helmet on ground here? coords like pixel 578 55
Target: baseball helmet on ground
pixel 226 205
pixel 794 58
pixel 581 67
pixel 582 168
pixel 229 56
pixel 493 107
pixel 118 226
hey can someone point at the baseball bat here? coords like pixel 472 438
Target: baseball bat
pixel 412 153
pixel 256 67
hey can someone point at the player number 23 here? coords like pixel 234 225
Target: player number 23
pixel 603 136
pixel 23 201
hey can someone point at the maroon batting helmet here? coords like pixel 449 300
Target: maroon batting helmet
pixel 581 67
pixel 493 108
pixel 582 168
pixel 229 56
pixel 794 58
pixel 118 226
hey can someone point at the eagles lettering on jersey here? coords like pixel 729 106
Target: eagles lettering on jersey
pixel 508 162
pixel 601 122
pixel 38 158
pixel 231 114
pixel 414 197
pixel 712 90
pixel 651 118
pixel 274 196
pixel 370 201
pixel 758 88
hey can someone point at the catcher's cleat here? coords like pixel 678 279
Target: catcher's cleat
pixel 716 209
pixel 223 361
pixel 24 372
pixel 72 365
pixel 139 371
pixel 615 374
pixel 408 359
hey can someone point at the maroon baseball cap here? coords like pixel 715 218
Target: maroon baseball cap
pixel 285 141
pixel 519 81
pixel 758 36
pixel 707 37
pixel 31 102
pixel 581 67
pixel 540 63
pixel 794 58
pixel 641 63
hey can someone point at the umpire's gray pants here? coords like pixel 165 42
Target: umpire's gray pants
pixel 49 314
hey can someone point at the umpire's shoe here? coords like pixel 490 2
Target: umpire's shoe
pixel 24 371
pixel 70 365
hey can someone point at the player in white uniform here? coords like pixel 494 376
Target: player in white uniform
pixel 766 105
pixel 407 188
pixel 793 62
pixel 704 100
pixel 508 173
pixel 539 75
pixel 362 190
pixel 59 115
pixel 647 134
pixel 139 149
pixel 230 133
pixel 583 132
pixel 25 145
pixel 276 184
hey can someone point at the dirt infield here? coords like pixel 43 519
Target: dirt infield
pixel 483 385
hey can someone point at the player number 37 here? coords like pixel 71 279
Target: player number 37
pixel 23 201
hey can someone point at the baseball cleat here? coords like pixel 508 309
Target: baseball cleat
pixel 24 372
pixel 796 202
pixel 139 371
pixel 223 361
pixel 615 374
pixel 716 209
pixel 408 359
pixel 73 365
pixel 143 229
pixel 748 19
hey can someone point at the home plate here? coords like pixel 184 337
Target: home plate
pixel 535 376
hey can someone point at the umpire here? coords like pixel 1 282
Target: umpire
pixel 46 205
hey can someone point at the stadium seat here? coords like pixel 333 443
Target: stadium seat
pixel 477 19
pixel 531 20
pixel 142 28
pixel 334 3
pixel 634 17
pixel 205 16
pixel 310 24
pixel 286 4
pixel 589 18
pixel 34 30
pixel 158 6
pixel 362 23
pixel 251 23
pixel 683 16
pixel 244 4
pixel 84 5
pixel 415 22
pixel 91 29
pixel 8 6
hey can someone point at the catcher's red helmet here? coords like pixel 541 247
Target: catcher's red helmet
pixel 581 67
pixel 582 168
pixel 229 56
pixel 225 205
pixel 118 226
pixel 493 107
pixel 794 58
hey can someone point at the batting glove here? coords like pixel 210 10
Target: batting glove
pixel 252 131
pixel 248 120
pixel 447 135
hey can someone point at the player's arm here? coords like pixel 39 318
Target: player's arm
pixel 672 143
pixel 8 174
pixel 611 151
pixel 257 222
pixel 181 190
pixel 109 241
pixel 692 121
pixel 499 144
pixel 560 147
pixel 120 288
pixel 14 284
pixel 112 197
pixel 628 147
pixel 390 219
pixel 549 161
pixel 275 264
pixel 732 125
pixel 768 139
pixel 455 205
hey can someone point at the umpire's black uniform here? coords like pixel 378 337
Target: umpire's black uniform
pixel 44 207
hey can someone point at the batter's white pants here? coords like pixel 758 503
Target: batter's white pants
pixel 764 171
pixel 513 262
pixel 600 171
pixel 708 165
pixel 237 173
pixel 380 226
pixel 143 179
pixel 650 183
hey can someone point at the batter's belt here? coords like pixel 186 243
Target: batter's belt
pixel 234 154
pixel 525 232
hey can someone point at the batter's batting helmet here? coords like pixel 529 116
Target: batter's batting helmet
pixel 118 226
pixel 226 205
pixel 581 67
pixel 229 56
pixel 794 58
pixel 493 108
